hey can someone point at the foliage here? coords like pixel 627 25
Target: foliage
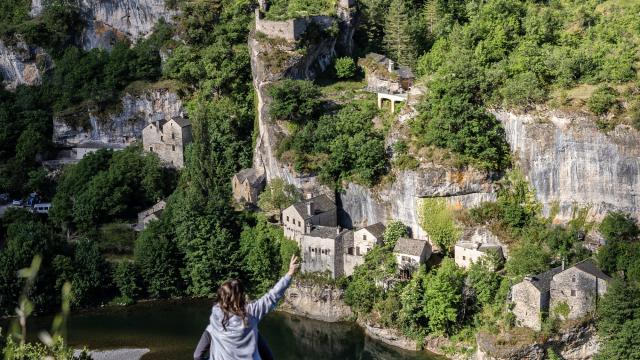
pixel 340 146
pixel 516 200
pixel 603 99
pixel 392 232
pixel 116 238
pixel 106 186
pixel 398 40
pixel 527 258
pixel 443 296
pixel 345 68
pixel 413 319
pixel 437 221
pixel 290 9
pixel 621 248
pixel 127 279
pixel 260 247
pixel 619 320
pixel 484 280
pixel 364 290
pixel 294 100
pixel 278 195
pixel 159 261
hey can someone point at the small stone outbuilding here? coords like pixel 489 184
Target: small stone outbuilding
pixel 577 289
pixel 530 298
pixel 168 140
pixel 410 254
pixel 358 243
pixel 299 218
pixel 152 213
pixel 247 185
pixel 474 244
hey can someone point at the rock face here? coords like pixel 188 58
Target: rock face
pixel 571 162
pixel 389 336
pixel 578 343
pixel 22 64
pixel 123 127
pixel 319 302
pixel 109 20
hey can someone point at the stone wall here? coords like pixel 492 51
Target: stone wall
pixel 322 255
pixel 167 142
pixel 22 64
pixel 527 301
pixel 576 289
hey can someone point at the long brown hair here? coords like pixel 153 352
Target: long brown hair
pixel 232 301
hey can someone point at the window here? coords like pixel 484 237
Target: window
pixel 573 279
pixel 364 237
pixel 287 219
pixel 328 251
pixel 173 136
pixel 358 250
pixel 573 292
pixel 173 147
pixel 464 258
pixel 350 251
pixel 151 148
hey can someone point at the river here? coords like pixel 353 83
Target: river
pixel 171 330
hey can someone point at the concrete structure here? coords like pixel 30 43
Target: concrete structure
pixel 168 140
pixel 247 185
pixel 579 287
pixel 410 254
pixel 322 249
pixel 393 99
pixel 152 213
pixel 299 219
pixel 474 244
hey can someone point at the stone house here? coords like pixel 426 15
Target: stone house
pixel 474 244
pixel 299 218
pixel 152 213
pixel 168 140
pixel 322 250
pixel 410 254
pixel 247 185
pixel 358 243
pixel 579 287
pixel 382 75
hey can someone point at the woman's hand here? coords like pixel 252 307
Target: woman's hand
pixel 293 265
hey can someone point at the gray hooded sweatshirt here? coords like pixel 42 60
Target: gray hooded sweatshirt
pixel 239 342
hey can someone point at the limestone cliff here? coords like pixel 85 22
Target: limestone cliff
pixel 571 162
pixel 578 343
pixel 121 127
pixel 22 64
pixel 109 20
pixel 319 302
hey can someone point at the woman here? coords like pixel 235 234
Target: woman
pixel 233 326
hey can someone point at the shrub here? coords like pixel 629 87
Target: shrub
pixel 294 100
pixel 345 68
pixel 602 100
pixel 437 221
pixel 127 279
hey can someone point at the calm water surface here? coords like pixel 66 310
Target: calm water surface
pixel 171 330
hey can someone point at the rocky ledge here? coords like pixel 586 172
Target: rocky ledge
pixel 22 64
pixel 319 302
pixel 118 354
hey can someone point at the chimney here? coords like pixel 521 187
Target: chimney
pixel 391 65
pixel 310 208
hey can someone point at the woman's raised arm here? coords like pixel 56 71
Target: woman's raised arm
pixel 268 302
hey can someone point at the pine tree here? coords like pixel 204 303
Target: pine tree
pixel 397 38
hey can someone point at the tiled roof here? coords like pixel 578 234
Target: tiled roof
pixel 413 247
pixel 405 72
pixel 325 232
pixel 589 266
pixel 543 281
pixel 182 122
pixel 321 204
pixel 376 230
pixel 249 174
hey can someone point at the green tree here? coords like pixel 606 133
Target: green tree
pixel 484 280
pixel 277 196
pixel 603 99
pixel 443 297
pixel 345 68
pixel 397 34
pixel 527 258
pixel 392 232
pixel 438 222
pixel 619 320
pixel 364 289
pixel 413 319
pixel 260 246
pixel 294 100
pixel 127 279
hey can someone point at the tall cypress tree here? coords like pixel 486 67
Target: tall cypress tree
pixel 397 38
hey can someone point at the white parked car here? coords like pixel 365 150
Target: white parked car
pixel 16 203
